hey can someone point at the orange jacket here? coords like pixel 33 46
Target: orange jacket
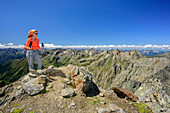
pixel 35 44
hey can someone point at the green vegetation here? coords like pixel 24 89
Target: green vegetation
pixel 93 102
pixel 98 101
pixel 65 105
pixel 45 91
pixel 32 112
pixel 12 70
pixel 81 107
pixel 15 105
pixel 10 54
pixel 142 107
pixel 70 97
pixel 17 111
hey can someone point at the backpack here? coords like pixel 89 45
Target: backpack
pixel 30 45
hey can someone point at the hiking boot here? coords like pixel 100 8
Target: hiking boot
pixel 33 71
pixel 40 71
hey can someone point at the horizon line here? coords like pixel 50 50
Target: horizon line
pixel 52 46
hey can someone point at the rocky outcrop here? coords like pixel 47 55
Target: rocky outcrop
pixel 111 68
pixel 154 91
pixel 83 81
pixel 49 91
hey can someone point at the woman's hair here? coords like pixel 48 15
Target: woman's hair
pixel 31 32
pixel 29 36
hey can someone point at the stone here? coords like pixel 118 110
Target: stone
pixel 147 100
pixel 102 102
pixel 54 72
pixel 40 80
pixel 26 79
pixel 43 76
pixel 4 99
pixel 72 105
pixel 75 69
pixel 49 86
pixel 19 93
pixel 68 92
pixel 4 89
pixel 101 94
pixel 153 92
pixel 83 81
pixel 50 67
pixel 115 108
pixel 33 75
pixel 122 93
pixel 68 76
pixel 103 110
pixel 19 87
pixel 33 86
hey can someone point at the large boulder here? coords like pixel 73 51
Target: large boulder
pixel 68 92
pixel 83 81
pixel 125 94
pixel 33 86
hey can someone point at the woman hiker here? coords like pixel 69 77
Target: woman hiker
pixel 31 46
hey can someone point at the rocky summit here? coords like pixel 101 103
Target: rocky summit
pixel 91 81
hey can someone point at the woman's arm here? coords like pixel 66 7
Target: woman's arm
pixel 27 44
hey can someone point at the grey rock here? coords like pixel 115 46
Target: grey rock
pixel 40 72
pixel 5 89
pixel 68 92
pixel 103 110
pixel 54 72
pixel 101 94
pixel 115 108
pixel 19 93
pixel 72 105
pixel 3 100
pixel 155 89
pixel 33 75
pixel 49 86
pixel 50 67
pixel 33 86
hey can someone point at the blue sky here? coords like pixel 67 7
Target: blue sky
pixel 86 22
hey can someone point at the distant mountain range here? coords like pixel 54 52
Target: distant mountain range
pixel 10 54
pixel 15 64
pixel 146 76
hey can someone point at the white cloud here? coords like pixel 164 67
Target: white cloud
pixel 52 46
pixel 10 44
